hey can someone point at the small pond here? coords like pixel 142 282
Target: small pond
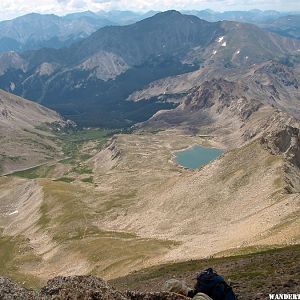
pixel 197 156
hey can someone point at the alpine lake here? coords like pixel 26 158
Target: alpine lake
pixel 197 156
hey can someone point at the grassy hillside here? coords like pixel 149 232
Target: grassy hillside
pixel 253 276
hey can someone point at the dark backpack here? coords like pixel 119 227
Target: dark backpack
pixel 214 285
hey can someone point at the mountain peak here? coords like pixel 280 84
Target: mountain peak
pixel 169 13
pixel 170 16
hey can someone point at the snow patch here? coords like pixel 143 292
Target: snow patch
pixel 13 213
pixel 224 44
pixel 238 52
pixel 220 39
pixel 215 52
pixel 12 86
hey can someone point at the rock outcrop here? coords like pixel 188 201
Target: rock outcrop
pixel 155 296
pixel 286 142
pixel 11 290
pixel 77 287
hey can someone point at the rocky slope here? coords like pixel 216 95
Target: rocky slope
pixel 245 44
pixel 252 276
pixel 270 83
pixel 77 287
pixel 25 140
pixel 240 110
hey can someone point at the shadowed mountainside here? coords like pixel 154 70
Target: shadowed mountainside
pixel 90 81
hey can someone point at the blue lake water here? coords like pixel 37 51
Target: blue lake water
pixel 197 156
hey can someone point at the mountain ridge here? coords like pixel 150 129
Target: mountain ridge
pixel 26 123
pixel 116 61
pixel 270 82
pixel 34 31
pixel 84 23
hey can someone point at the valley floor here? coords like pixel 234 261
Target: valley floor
pixel 120 203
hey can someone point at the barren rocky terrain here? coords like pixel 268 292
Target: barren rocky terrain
pixel 131 195
pixel 27 133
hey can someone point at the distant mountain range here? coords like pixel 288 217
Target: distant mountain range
pixel 35 31
pixel 250 16
pixel 90 81
pixel 287 26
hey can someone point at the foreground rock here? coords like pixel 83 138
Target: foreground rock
pixel 154 296
pixel 10 290
pixel 76 287
pixel 79 287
